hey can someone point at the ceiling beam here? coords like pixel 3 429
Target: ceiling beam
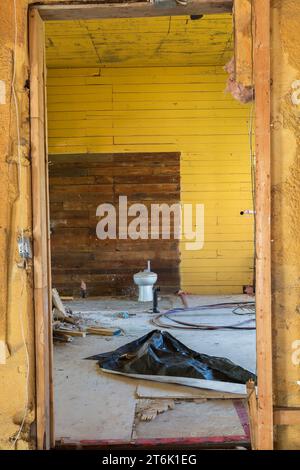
pixel 90 11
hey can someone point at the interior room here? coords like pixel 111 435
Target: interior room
pixel 140 113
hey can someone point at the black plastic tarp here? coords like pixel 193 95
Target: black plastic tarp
pixel 159 353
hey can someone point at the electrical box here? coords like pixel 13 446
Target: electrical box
pixel 24 246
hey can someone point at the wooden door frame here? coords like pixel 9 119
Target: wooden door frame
pixel 40 202
pixel 262 81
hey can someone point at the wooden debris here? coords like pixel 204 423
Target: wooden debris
pixel 66 297
pixel 56 300
pixel 147 410
pixel 61 317
pixel 64 331
pixel 62 338
pixel 95 330
pixel 252 412
pixel 58 315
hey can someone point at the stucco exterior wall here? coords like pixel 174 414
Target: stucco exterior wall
pixel 15 292
pixel 286 212
pixel 15 282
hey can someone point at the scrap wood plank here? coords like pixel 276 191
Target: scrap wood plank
pixel 132 10
pixel 57 302
pixel 252 412
pixel 95 330
pixel 64 331
pixel 162 391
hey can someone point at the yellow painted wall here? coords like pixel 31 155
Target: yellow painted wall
pixel 285 221
pixel 140 42
pixel 182 109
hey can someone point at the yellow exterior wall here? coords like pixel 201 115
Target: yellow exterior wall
pixel 182 109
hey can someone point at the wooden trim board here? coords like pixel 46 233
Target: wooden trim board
pixel 50 326
pixel 263 224
pixel 209 442
pixel 41 252
pixel 131 10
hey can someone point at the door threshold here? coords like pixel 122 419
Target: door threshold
pixel 228 442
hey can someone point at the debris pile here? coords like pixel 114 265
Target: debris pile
pixel 66 325
pixel 147 410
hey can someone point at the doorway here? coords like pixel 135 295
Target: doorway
pixel 191 164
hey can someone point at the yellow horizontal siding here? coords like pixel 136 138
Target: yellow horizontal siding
pixel 180 109
pixel 136 42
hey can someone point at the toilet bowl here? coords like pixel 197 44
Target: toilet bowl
pixel 145 281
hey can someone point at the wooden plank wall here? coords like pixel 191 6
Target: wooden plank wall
pixel 78 184
pixel 170 109
pixel 140 42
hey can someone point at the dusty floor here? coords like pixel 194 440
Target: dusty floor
pixel 90 404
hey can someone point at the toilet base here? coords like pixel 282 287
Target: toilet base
pixel 145 293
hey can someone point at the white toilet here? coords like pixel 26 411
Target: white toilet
pixel 145 281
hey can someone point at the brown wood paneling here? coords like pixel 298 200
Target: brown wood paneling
pixel 78 184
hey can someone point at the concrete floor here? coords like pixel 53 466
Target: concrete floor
pixel 90 404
